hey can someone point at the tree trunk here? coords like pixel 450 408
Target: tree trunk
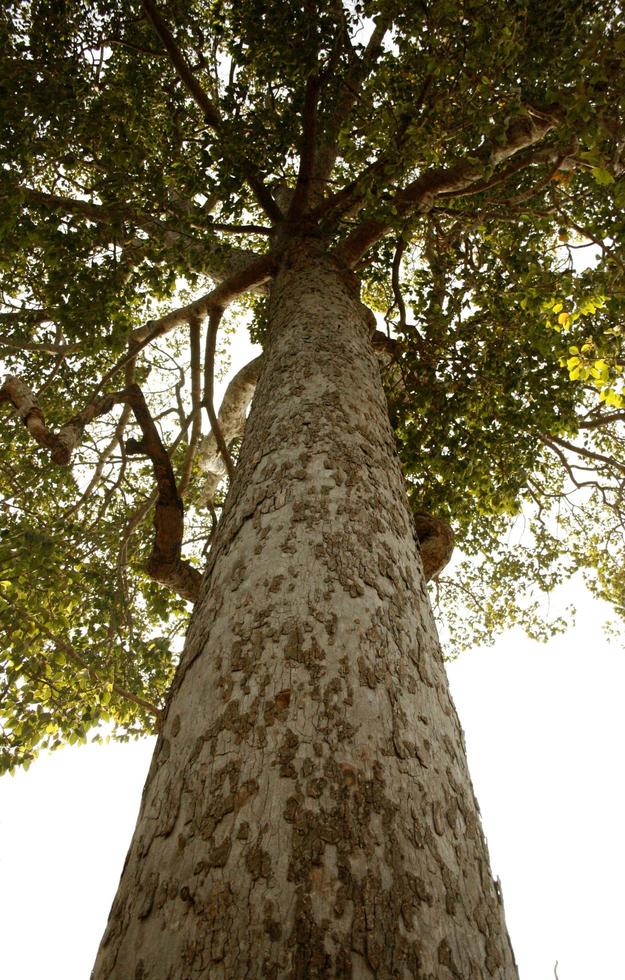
pixel 308 812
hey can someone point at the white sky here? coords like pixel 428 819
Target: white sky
pixel 544 728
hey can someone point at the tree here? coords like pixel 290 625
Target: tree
pixel 308 811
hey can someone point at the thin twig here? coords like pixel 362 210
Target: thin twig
pixel 195 326
pixel 214 320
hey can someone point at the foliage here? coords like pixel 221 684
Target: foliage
pixel 467 157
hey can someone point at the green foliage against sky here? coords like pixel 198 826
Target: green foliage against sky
pixel 466 158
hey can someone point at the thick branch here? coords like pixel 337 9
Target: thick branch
pixel 62 443
pixel 254 273
pixel 165 563
pixel 180 63
pixel 396 284
pixel 195 327
pixel 420 194
pixel 301 195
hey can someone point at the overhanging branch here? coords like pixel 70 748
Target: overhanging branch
pixel 254 273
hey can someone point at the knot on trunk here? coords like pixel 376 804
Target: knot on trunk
pixel 436 541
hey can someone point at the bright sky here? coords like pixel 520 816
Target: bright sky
pixel 545 729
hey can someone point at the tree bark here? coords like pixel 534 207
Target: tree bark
pixel 308 812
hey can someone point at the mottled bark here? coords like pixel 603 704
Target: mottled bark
pixel 233 412
pixel 308 812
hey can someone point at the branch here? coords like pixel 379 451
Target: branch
pixel 214 320
pixel 582 451
pixel 349 199
pixel 396 284
pixel 165 564
pixel 100 213
pixel 601 420
pixel 420 194
pixel 180 63
pixel 44 348
pixel 231 421
pixel 62 443
pixel 99 467
pixel 240 229
pixel 195 327
pixel 301 193
pixel 212 258
pixel 357 72
pixel 209 110
pixel 254 273
pixel 105 214
pixel 29 316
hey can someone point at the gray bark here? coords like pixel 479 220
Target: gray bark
pixel 308 812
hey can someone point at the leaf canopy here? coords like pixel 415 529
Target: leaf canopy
pixel 467 159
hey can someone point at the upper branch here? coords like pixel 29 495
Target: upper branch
pixel 104 214
pixel 210 111
pixel 210 256
pixel 180 63
pixel 420 194
pixel 358 69
pixel 301 194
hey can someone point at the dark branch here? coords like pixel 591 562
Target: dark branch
pixel 301 195
pixel 180 63
pixel 210 112
pixel 164 564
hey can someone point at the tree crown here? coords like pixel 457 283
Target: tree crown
pixel 466 159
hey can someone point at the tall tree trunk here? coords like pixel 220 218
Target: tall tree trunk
pixel 308 812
